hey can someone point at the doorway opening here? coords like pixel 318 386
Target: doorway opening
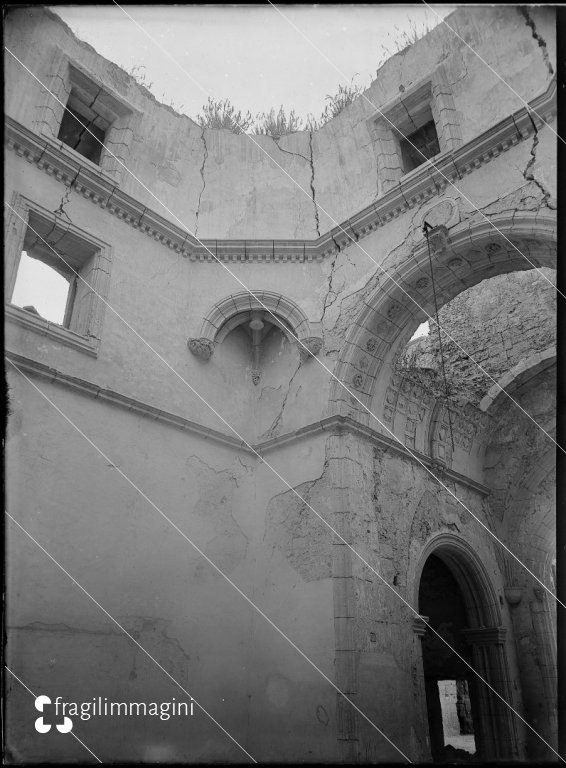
pixel 457 721
pixel 450 691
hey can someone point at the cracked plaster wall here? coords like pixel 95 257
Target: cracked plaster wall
pixel 236 509
pixel 227 187
pixel 352 278
pixel 158 587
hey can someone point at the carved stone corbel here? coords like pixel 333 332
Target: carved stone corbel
pixel 438 239
pixel 438 467
pixel 513 595
pixel 202 348
pixel 310 347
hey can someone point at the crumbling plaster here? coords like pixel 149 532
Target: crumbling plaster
pixel 187 169
pixel 218 491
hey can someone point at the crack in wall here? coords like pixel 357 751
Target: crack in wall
pixel 90 122
pixel 531 24
pixel 288 151
pixel 279 416
pixel 66 198
pixel 204 159
pixel 316 218
pixel 328 304
pixel 529 175
pixel 409 115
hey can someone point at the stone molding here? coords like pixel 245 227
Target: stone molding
pixel 422 184
pixel 112 397
pixel 84 335
pixel 334 424
pixel 54 331
pixel 65 72
pixel 227 313
pixel 519 375
pixel 420 625
pixel 485 635
pixel 387 311
pixel 397 118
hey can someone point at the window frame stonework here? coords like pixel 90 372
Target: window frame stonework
pixel 406 113
pixel 87 313
pixel 67 75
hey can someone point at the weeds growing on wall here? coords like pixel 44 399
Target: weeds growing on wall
pixel 277 125
pixel 402 39
pixel 218 113
pixel 221 113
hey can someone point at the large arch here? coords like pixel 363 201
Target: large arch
pixel 482 606
pixel 496 729
pixel 463 257
pixel 519 375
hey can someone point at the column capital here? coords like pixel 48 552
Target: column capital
pixel 485 635
pixel 419 626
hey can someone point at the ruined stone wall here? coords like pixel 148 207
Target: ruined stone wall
pixel 146 575
pixel 222 185
pixel 142 413
pixel 498 323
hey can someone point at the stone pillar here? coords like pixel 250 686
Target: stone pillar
pixel 535 641
pixel 345 660
pixel 497 733
pixel 419 629
pixel 374 646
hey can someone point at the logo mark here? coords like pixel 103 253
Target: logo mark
pixel 41 726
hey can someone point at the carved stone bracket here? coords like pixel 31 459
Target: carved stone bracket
pixel 438 467
pixel 513 595
pixel 202 348
pixel 256 377
pixel 438 239
pixel 313 346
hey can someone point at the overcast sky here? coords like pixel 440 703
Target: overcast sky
pixel 249 54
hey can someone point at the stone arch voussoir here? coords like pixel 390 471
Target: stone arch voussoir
pixel 227 314
pixel 463 257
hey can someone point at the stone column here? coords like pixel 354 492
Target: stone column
pixel 535 641
pixel 345 660
pixel 497 736
pixel 419 630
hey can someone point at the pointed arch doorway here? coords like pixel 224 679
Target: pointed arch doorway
pixel 467 722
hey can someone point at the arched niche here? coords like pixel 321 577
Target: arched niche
pixel 258 313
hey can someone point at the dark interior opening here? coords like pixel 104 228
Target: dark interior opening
pixel 77 131
pixel 419 146
pixel 449 683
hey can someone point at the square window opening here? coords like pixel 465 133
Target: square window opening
pixel 419 146
pixel 50 286
pixel 83 127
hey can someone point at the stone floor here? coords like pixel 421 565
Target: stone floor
pixel 462 742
